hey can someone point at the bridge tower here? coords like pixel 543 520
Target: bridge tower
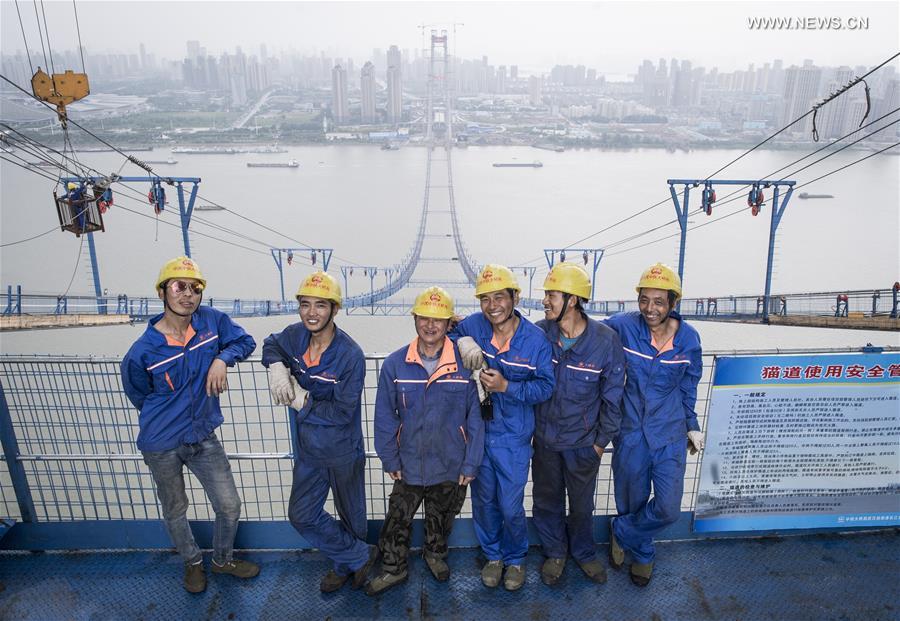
pixel 439 110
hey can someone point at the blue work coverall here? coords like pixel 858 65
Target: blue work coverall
pixel 329 452
pixel 430 429
pixel 498 492
pixel 167 382
pixel 584 411
pixel 660 396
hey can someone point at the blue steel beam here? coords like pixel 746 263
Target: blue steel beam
pixel 95 273
pixel 596 253
pixel 311 252
pixel 527 270
pixel 185 212
pixel 17 474
pixel 777 211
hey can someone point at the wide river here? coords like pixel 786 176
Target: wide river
pixel 365 203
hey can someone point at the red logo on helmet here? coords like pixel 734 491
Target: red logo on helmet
pixel 435 297
pixel 656 271
pixel 315 280
pixel 487 275
pixel 188 263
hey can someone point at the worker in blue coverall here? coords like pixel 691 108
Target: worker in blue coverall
pixel 664 363
pixel 317 370
pixel 575 425
pixel 174 374
pixel 519 375
pixel 430 437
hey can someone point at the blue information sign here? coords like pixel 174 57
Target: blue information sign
pixel 807 441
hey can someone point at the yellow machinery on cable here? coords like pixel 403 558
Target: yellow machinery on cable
pixel 60 89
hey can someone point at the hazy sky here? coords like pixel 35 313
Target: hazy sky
pixel 610 36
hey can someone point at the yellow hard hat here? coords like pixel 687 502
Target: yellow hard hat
pixel 71 185
pixel 494 277
pixel 320 285
pixel 660 276
pixel 433 302
pixel 569 278
pixel 180 267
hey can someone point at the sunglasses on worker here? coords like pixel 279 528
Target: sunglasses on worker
pixel 180 286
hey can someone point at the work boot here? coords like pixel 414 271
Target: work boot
pixel 640 573
pixel 439 568
pixel 616 553
pixel 385 581
pixel 237 568
pixel 515 577
pixel 552 570
pixel 594 570
pixel 194 577
pixel 331 582
pixel 491 573
pixel 362 574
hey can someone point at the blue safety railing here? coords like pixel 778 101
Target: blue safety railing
pixel 76 459
pixel 68 438
pixel 837 304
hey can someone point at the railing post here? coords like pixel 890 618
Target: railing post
pixel 894 291
pixel 11 454
pixel 876 295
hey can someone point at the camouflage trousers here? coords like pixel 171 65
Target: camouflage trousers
pixel 443 503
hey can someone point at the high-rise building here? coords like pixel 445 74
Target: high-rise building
pixel 831 118
pixel 889 100
pixel 534 90
pixel 193 49
pixel 367 86
pixel 339 103
pixel 801 87
pixel 776 77
pixel 394 85
pixel 681 83
pixel 856 112
pixel 514 72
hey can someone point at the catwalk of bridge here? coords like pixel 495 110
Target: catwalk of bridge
pixel 810 577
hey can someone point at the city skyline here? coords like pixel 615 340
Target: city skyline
pixel 611 37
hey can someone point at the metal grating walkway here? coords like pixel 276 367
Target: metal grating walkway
pixel 817 577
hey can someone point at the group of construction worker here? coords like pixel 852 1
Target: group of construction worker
pixel 469 403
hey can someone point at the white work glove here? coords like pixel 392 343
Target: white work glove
pixel 697 441
pixel 470 352
pixel 476 375
pixel 299 394
pixel 280 384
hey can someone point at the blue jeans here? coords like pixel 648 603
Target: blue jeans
pixel 207 460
